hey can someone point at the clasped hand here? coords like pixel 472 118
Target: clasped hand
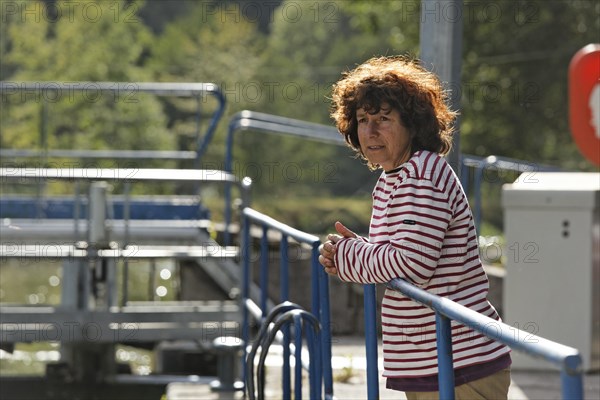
pixel 329 248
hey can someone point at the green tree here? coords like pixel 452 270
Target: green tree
pixel 83 41
pixel 514 80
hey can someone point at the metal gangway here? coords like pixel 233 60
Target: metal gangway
pixel 93 316
pixel 109 224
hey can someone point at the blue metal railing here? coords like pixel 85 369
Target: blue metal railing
pixel 56 90
pixel 472 168
pixel 251 120
pixel 567 358
pixel 319 296
pixel 278 320
pixel 481 165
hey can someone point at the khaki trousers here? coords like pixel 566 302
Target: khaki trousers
pixel 493 387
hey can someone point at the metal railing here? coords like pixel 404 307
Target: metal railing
pixel 472 171
pixel 480 165
pixel 72 250
pixel 567 358
pixel 319 296
pixel 55 90
pixel 251 120
pixel 279 320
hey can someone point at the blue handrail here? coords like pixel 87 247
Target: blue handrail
pixel 251 120
pixel 319 295
pixel 567 358
pixel 481 164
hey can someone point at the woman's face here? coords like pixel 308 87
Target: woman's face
pixel 383 138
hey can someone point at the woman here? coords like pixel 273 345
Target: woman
pixel 393 113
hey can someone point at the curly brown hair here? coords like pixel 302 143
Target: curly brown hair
pixel 405 86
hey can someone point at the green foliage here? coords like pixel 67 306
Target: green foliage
pixel 514 79
pixel 207 46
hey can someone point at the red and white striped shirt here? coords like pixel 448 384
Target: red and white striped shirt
pixel 422 230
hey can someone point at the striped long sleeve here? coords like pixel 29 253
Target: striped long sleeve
pixel 421 230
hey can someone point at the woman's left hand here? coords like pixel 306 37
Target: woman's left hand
pixel 329 248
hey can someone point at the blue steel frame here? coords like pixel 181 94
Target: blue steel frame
pixel 319 296
pixel 480 165
pixel 251 120
pixel 567 358
pixel 277 320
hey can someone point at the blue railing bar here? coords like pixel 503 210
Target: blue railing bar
pixel 245 306
pixel 245 120
pixel 286 372
pixel 322 289
pixel 313 341
pixel 273 123
pixel 298 357
pixel 506 163
pixel 497 163
pixel 264 269
pixel 284 296
pixel 298 316
pixel 535 345
pixel 247 124
pixel 567 358
pixel 100 154
pixel 370 305
pixel 326 334
pixel 212 126
pixel 315 292
pixel 444 356
pixel 259 116
pixel 284 280
pixel 283 228
pixel 252 308
pixel 263 341
pixel 571 385
pixel 316 310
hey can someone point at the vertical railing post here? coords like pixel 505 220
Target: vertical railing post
pixel 571 380
pixel 284 282
pixel 370 305
pixel 444 349
pixel 298 357
pixel 126 218
pixel 245 289
pixel 264 270
pixel 325 319
pixel 315 303
pixel 319 340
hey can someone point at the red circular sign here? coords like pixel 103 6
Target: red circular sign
pixel 584 101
